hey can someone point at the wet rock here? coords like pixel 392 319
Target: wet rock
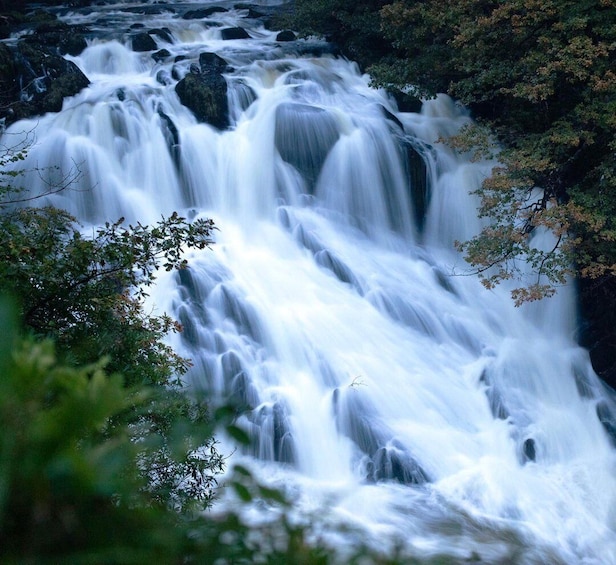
pixel 308 239
pixel 161 55
pixel 171 133
pixel 304 136
pixel 392 463
pixel 163 77
pixel 583 382
pixel 234 33
pixel 284 449
pixel 243 94
pixel 407 102
pixel 355 419
pixel 392 118
pixel 495 399
pixel 190 331
pixel 286 35
pixel 162 33
pixel 343 273
pixel 203 13
pixel 243 395
pixel 37 81
pixel 204 91
pixel 270 16
pixel 419 187
pixel 240 312
pixel 608 419
pixel 147 9
pixel 274 434
pixel 231 365
pixel 65 38
pixel 212 63
pixel 529 450
pixel 143 42
pixel 309 48
pixel 598 324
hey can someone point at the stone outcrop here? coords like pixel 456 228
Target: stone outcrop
pixel 35 78
pixel 59 37
pixel 286 35
pixel 203 13
pixel 234 33
pixel 143 42
pixel 204 91
pixel 35 81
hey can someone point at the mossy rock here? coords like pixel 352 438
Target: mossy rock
pixel 205 94
pixel 143 42
pixel 49 79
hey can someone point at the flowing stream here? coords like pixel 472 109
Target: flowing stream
pixel 382 388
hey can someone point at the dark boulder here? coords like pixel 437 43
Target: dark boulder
pixel 204 91
pixel 40 82
pixel 234 33
pixel 286 35
pixel 407 102
pixel 162 33
pixel 272 17
pixel 147 9
pixel 203 13
pixel 304 136
pixel 66 39
pixel 161 55
pixel 163 77
pixel 529 450
pixel 313 48
pixel 417 174
pixel 394 463
pixel 143 42
pixel 339 269
pixel 212 63
pixel 606 416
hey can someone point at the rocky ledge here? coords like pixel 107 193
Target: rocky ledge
pixel 34 75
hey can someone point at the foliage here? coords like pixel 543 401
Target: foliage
pixel 71 489
pixel 354 26
pixel 542 74
pixel 86 293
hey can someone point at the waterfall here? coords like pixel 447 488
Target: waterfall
pixel 380 388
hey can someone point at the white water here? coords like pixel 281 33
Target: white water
pixel 382 390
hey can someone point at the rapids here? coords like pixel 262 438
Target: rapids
pixel 382 387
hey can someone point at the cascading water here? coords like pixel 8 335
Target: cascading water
pixel 378 389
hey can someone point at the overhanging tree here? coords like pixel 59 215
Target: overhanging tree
pixel 541 76
pixel 86 293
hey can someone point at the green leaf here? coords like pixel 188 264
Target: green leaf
pixel 242 491
pixel 238 434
